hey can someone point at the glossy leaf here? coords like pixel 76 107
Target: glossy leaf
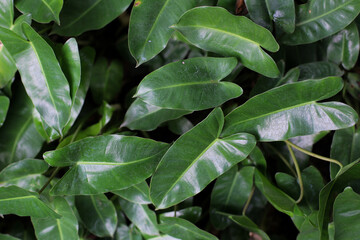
pixel 240 37
pixel 44 81
pixel 346 215
pixel 246 223
pixel 138 193
pixel 8 67
pixel 77 17
pixel 282 12
pixel 141 216
pixel 15 200
pixel 42 11
pixel 317 70
pixel 344 47
pixel 63 228
pixel 258 12
pixel 182 229
pixel 318 19
pixel 147 117
pixel 98 214
pixel 197 80
pixel 4 106
pixel 105 163
pixel 201 163
pixel 192 214
pixel 19 138
pixel 123 232
pixel 25 174
pixel 180 126
pixel 149 30
pixel 277 115
pixel 6 13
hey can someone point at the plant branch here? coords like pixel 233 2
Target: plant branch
pixel 283 159
pixel 298 173
pixel 49 180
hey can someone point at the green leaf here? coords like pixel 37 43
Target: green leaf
pixel 43 11
pixel 25 174
pixel 201 163
pixel 317 70
pixel 197 80
pixel 19 138
pixel 123 232
pixel 63 228
pixel 7 237
pixel 182 229
pixel 258 12
pixel 282 12
pixel 4 106
pixel 80 16
pixel 346 215
pixel 239 37
pixel 318 19
pixel 227 4
pixel 12 197
pixel 344 47
pixel 192 214
pixel 138 193
pixel 98 214
pixel 141 216
pixel 229 194
pixel 6 13
pixel 344 148
pixel 180 126
pixel 105 163
pixel 277 115
pixel 246 223
pixel 8 67
pixel 147 117
pixel 149 30
pixel 106 80
pixel 41 75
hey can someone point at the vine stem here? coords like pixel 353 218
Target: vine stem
pixel 298 172
pixel 314 155
pixel 248 200
pixel 283 159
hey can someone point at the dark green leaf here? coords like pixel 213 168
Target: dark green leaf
pixel 246 223
pixel 8 67
pixel 201 163
pixel 229 5
pixel 191 214
pixel 4 106
pixel 239 37
pixel 123 232
pixel 259 13
pixel 105 163
pixel 138 193
pixel 7 237
pixel 42 11
pixel 180 126
pixel 277 115
pixel 315 70
pixel 197 80
pixel 282 12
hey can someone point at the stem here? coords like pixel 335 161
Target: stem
pixel 315 155
pixel 49 180
pixel 175 209
pixel 248 200
pixel 283 159
pixel 298 172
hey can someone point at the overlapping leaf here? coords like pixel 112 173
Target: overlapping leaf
pixel 4 106
pixel 138 193
pixel 282 12
pixel 248 224
pixel 42 11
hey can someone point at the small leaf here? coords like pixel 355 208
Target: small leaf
pixel 197 80
pixel 240 37
pixel 246 223
pixel 138 193
pixel 43 11
pixel 192 214
pixel 4 106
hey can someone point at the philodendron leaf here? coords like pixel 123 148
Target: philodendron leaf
pixel 25 174
pixel 239 37
pixel 183 229
pixel 346 215
pixel 41 75
pixel 123 232
pixel 43 11
pixel 149 30
pixel 277 115
pixel 282 12
pixel 138 193
pixel 258 12
pixel 77 17
pixel 201 163
pixel 191 214
pixel 248 224
pixel 6 13
pixel 147 117
pixel 344 47
pixel 318 19
pixel 98 214
pixel 12 197
pixel 317 70
pixel 4 106
pixel 8 67
pixel 105 163
pixel 63 228
pixel 197 80
pixel 141 216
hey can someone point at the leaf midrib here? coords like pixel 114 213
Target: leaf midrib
pixel 114 163
pixel 17 198
pixel 48 6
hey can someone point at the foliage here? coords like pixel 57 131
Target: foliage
pixel 168 119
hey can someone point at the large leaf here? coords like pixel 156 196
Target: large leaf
pixel 239 37
pixel 42 11
pixel 246 223
pixel 12 197
pixel 282 12
pixel 347 215
pixel 98 214
pixel 25 174
pixel 141 216
pixel 277 115
pixel 41 75
pixel 138 193
pixel 182 229
pixel 149 30
pixel 63 228
pixel 105 163
pixel 6 13
pixel 318 19
pixel 197 80
pixel 8 67
pixel 77 17
pixel 4 106
pixel 205 158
